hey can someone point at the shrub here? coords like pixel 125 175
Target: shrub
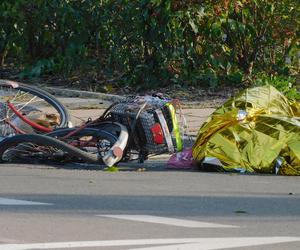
pixel 283 83
pixel 152 42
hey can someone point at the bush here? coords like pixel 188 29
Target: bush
pixel 284 84
pixel 152 42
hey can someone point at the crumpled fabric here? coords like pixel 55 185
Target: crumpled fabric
pixel 181 160
pixel 256 131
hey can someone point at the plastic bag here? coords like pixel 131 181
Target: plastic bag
pixel 181 160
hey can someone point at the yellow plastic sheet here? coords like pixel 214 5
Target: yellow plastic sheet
pixel 256 131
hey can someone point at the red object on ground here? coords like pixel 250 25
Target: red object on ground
pixel 158 135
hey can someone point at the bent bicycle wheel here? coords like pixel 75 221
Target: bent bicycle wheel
pixel 19 100
pixel 90 140
pixel 41 148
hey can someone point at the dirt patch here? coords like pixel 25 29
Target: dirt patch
pixel 191 96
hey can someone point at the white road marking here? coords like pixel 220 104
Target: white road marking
pixel 182 244
pixel 168 221
pixel 13 202
pixel 8 240
pixel 224 243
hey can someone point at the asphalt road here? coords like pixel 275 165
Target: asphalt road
pixel 45 207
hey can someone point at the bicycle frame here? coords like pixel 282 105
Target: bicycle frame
pixel 29 122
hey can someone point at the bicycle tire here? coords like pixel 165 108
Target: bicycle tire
pixel 43 140
pixel 50 99
pixel 131 151
pixel 86 131
pixel 109 126
pixel 97 133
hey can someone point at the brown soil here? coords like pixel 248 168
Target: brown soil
pixel 208 97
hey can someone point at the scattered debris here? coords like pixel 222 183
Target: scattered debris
pixel 240 212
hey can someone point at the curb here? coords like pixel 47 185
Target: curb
pixel 83 94
pixel 57 91
pixel 204 104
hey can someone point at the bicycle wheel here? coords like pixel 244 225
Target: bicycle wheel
pixel 34 104
pixel 28 148
pixel 91 140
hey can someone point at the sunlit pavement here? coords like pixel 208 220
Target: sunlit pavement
pixel 45 207
pixel 194 117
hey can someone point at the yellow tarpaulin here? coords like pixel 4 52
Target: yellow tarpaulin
pixel 256 131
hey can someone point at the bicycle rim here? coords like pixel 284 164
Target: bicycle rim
pixel 91 140
pixel 35 104
pixel 32 148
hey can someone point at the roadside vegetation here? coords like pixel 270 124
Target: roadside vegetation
pixel 107 44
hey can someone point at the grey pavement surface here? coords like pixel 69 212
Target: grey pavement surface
pixel 85 104
pixel 78 202
pixel 194 117
pixel 62 92
pixel 82 109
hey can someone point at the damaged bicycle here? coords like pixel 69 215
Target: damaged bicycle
pixel 133 129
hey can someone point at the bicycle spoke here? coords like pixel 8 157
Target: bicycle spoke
pixel 30 101
pixel 26 100
pixel 6 129
pixel 31 151
pixel 19 91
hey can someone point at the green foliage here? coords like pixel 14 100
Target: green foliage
pixel 153 42
pixel 35 70
pixel 284 84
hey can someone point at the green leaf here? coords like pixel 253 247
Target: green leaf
pixel 241 27
pixel 193 26
pixel 251 29
pixel 216 29
pixel 111 169
pixel 232 24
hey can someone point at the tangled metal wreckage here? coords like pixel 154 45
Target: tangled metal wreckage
pixel 256 131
